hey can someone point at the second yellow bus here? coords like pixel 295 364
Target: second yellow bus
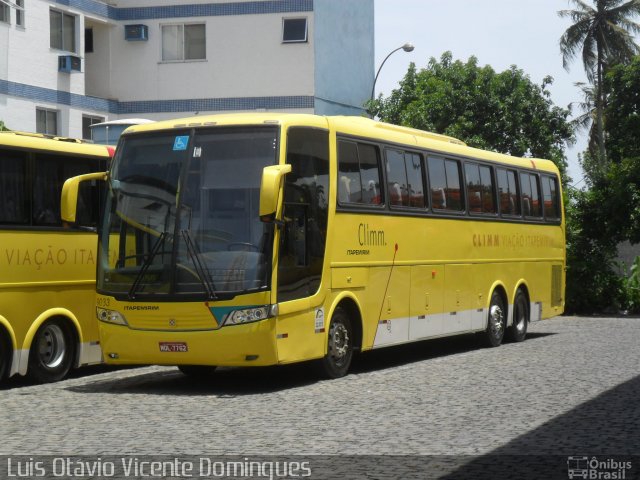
pixel 47 268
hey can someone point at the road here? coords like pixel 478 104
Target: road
pixel 572 388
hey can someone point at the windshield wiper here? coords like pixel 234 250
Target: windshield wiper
pixel 203 273
pixel 146 265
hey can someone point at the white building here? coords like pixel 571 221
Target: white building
pixel 65 64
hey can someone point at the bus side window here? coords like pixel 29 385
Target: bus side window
pixel 13 199
pixel 396 177
pixel 472 173
pixel 530 195
pixel 405 184
pixel 508 197
pixel 444 178
pixel 358 173
pixel 47 185
pixel 550 197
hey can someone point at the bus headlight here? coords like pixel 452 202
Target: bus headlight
pixel 110 316
pixel 248 315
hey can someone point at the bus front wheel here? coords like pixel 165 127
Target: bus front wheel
pixel 497 321
pixel 52 352
pixel 518 331
pixel 337 361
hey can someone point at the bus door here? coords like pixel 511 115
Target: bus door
pixel 302 246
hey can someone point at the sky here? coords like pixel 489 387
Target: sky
pixel 500 33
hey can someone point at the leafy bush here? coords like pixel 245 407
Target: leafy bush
pixel 631 287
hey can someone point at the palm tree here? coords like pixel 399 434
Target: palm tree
pixel 604 34
pixel 587 120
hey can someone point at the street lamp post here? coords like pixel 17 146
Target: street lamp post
pixel 407 47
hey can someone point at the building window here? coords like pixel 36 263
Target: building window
pixel 294 30
pixel 62 31
pixel 88 40
pixel 47 121
pixel 20 13
pixel 183 42
pixel 4 13
pixel 87 121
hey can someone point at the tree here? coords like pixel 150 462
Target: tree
pixel 622 85
pixel 505 112
pixel 3 127
pixel 604 36
pixel 587 120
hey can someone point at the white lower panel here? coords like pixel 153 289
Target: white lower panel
pixel 392 332
pixel 535 311
pixel 404 330
pixel 479 319
pixel 425 326
pixel 457 322
pixel 20 362
pixel 90 353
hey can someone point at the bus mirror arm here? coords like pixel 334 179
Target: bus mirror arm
pixel 270 189
pixel 69 197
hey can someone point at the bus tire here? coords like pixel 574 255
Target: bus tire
pixel 337 361
pixel 5 354
pixel 197 371
pixel 52 352
pixel 497 321
pixel 518 331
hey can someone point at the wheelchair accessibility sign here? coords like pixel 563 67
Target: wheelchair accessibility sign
pixel 180 143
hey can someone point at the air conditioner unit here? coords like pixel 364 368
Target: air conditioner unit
pixel 69 63
pixel 136 33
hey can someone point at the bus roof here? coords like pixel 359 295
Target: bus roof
pixel 37 141
pixel 123 121
pixel 357 126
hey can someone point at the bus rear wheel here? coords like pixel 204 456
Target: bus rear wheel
pixel 337 361
pixel 52 352
pixel 518 331
pixel 497 321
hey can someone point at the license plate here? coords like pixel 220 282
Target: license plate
pixel 172 347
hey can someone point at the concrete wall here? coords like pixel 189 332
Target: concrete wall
pixel 344 48
pixel 245 58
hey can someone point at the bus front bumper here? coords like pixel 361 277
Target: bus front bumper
pixel 252 344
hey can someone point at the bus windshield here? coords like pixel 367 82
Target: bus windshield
pixel 182 214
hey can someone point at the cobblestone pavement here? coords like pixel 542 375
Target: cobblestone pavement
pixel 573 387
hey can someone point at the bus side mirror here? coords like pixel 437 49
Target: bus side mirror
pixel 270 190
pixel 69 197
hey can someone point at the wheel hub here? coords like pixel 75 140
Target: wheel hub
pixel 339 343
pixel 51 346
pixel 496 316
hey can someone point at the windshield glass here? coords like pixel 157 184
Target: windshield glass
pixel 182 214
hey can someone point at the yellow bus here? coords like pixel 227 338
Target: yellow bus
pixel 262 239
pixel 47 268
